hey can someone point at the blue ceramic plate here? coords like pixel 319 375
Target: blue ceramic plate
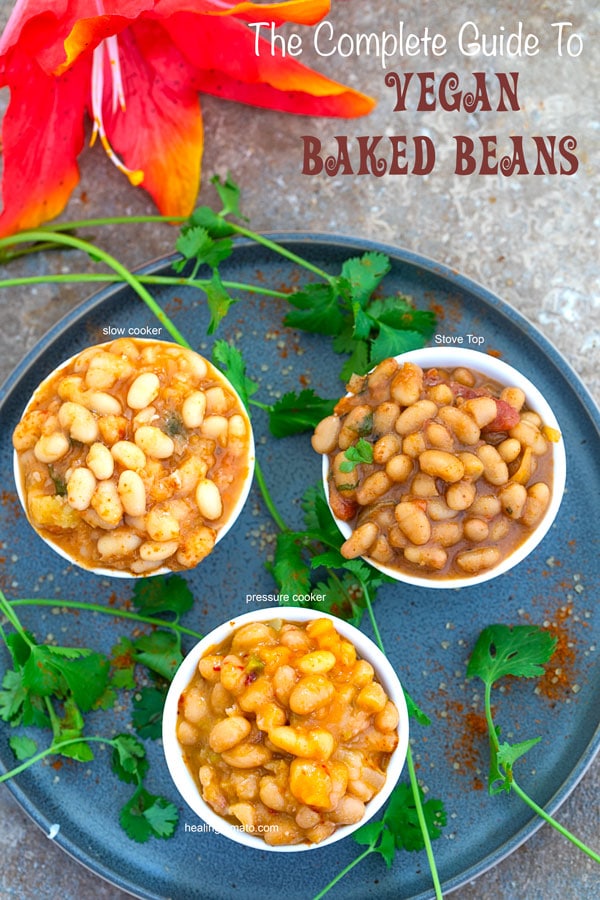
pixel 428 633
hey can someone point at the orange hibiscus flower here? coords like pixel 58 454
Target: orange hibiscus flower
pixel 137 67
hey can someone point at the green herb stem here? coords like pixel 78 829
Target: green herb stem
pixel 177 280
pixel 349 867
pixel 108 611
pixel 282 251
pixel 114 220
pixel 422 823
pixel 414 784
pixel 259 405
pixel 560 828
pixel 6 608
pixel 268 500
pixel 50 751
pixel 372 618
pixel 519 790
pixel 114 264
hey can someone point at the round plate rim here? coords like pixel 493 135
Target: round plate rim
pixel 462 282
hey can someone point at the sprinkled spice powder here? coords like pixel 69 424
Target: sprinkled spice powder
pixel 465 752
pixel 559 677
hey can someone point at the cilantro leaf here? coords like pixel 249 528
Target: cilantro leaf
pixel 229 194
pixel 196 243
pixel 289 568
pixel 398 312
pixel 71 726
pixel 391 342
pixel 160 652
pixel 344 341
pixel 162 594
pixel 148 706
pixel 308 502
pixel 317 310
pixel 60 485
pixel 363 323
pixel 145 816
pixel 162 817
pixel 501 650
pixel 12 697
pixel 368 833
pixel 122 659
pixel 505 756
pixel 361 452
pixel 218 301
pixel 295 413
pixel 34 711
pixel 87 678
pixel 40 677
pixel 358 361
pixel 19 647
pixel 128 760
pixel 402 819
pixel 400 827
pixel 58 670
pixel 23 747
pixel 343 597
pixel 414 710
pixel 230 361
pixel 363 275
pixel 318 517
pixel 215 225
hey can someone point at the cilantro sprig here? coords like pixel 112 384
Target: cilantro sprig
pixel 361 452
pixel 520 652
pixel 53 687
pixel 399 829
pixel 366 327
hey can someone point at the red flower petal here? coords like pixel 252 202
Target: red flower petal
pixel 56 34
pixel 302 12
pixel 161 130
pixel 223 51
pixel 42 135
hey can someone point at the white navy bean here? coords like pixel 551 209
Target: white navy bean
pixel 128 455
pixel 193 409
pixel 120 542
pixel 157 551
pixel 100 460
pixel 80 488
pixel 132 493
pixel 208 499
pixel 79 422
pixel 154 442
pixel 49 448
pixel 143 390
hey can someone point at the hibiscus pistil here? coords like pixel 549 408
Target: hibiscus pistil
pixel 108 51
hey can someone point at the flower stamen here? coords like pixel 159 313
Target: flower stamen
pixel 109 49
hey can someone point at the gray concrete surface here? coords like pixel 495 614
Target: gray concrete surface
pixel 533 240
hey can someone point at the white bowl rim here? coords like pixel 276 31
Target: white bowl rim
pixel 235 512
pixel 179 772
pixel 507 374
